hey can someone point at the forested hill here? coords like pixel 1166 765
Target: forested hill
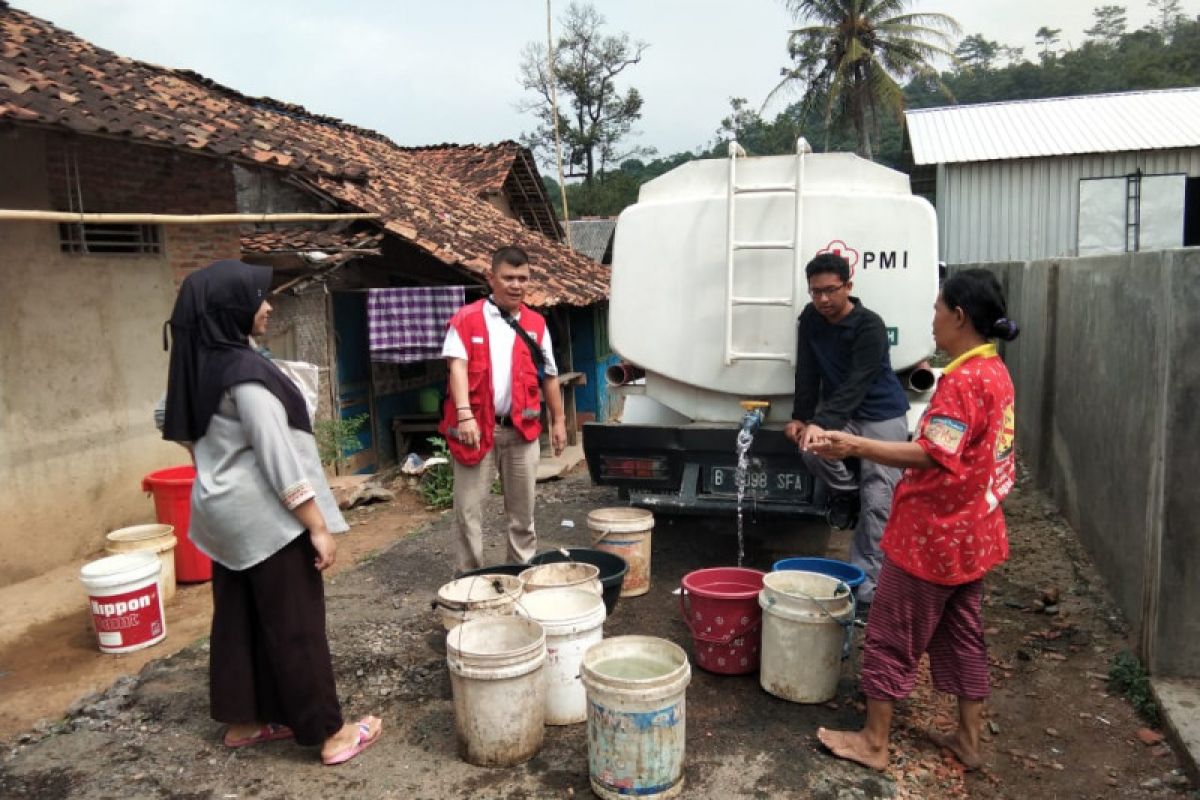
pixel 1108 61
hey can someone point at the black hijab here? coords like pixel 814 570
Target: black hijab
pixel 210 349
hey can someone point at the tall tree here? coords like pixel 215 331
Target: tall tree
pixel 977 52
pixel 1168 13
pixel 597 114
pixel 853 55
pixel 1046 38
pixel 1110 24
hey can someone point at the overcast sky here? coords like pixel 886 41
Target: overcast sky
pixel 430 71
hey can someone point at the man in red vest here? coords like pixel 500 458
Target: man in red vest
pixel 501 365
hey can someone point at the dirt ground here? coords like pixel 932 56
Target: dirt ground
pixel 1053 730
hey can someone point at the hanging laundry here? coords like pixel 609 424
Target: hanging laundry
pixel 408 324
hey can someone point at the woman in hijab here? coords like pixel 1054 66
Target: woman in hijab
pixel 262 510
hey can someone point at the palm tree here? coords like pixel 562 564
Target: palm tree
pixel 853 55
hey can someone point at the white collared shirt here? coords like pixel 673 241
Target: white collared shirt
pixel 501 339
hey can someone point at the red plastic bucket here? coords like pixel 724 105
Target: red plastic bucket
pixel 172 490
pixel 720 607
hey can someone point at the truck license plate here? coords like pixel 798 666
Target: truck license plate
pixel 759 482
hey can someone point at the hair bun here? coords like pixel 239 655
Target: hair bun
pixel 1004 328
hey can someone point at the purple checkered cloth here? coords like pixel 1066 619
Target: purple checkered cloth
pixel 409 324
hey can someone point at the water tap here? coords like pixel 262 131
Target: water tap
pixel 756 412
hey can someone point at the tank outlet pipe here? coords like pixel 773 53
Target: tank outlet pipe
pixel 921 378
pixel 623 373
pixel 756 412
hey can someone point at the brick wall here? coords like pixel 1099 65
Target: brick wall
pixel 300 320
pixel 116 176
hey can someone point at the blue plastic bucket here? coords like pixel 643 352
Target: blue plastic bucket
pixel 848 574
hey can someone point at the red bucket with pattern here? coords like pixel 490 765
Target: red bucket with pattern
pixel 720 607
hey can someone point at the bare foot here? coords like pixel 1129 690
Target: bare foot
pixel 348 736
pixel 853 746
pixel 967 755
pixel 240 731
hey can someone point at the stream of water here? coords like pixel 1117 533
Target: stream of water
pixel 745 438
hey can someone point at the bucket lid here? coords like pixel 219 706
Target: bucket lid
pixel 121 568
pixel 140 533
pixel 620 520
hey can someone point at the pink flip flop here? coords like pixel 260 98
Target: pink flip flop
pixel 269 732
pixel 361 742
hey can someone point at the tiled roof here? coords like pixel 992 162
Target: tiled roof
pixel 51 78
pixel 593 236
pixel 301 240
pixel 481 168
pixel 505 168
pixel 1161 119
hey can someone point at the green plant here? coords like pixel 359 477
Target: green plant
pixel 338 438
pixel 437 482
pixel 1127 676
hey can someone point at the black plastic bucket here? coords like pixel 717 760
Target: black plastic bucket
pixel 612 569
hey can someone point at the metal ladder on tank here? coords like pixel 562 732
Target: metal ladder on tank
pixel 733 247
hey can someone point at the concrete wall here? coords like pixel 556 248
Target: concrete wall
pixel 81 359
pixel 1107 387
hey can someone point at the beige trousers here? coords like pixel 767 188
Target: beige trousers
pixel 517 461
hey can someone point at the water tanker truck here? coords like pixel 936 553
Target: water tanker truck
pixel 707 284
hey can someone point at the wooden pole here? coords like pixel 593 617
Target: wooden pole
pixel 11 215
pixel 562 186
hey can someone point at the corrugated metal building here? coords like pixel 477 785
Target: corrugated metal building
pixel 1062 176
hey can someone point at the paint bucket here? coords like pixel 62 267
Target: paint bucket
pixel 573 620
pixel 847 573
pixel 626 533
pixel 567 575
pixel 804 614
pixel 126 605
pixel 720 607
pixel 477 596
pixel 636 690
pixel 157 539
pixel 172 490
pixel 497 677
pixel 613 569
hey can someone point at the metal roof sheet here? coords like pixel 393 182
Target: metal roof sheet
pixel 1056 126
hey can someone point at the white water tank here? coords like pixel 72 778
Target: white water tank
pixel 669 296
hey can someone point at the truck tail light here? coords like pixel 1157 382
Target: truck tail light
pixel 644 468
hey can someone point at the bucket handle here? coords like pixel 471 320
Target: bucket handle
pixel 686 610
pixel 847 623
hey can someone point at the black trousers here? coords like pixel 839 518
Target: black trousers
pixel 269 655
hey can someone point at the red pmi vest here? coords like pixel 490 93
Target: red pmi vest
pixel 526 411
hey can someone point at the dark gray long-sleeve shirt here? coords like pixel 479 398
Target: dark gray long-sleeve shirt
pixel 843 371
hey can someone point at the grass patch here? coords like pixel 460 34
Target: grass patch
pixel 1127 676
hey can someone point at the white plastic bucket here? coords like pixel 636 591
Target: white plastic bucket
pixel 476 597
pixel 154 538
pixel 497 676
pixel 802 634
pixel 563 575
pixel 625 532
pixel 573 620
pixel 125 601
pixel 636 690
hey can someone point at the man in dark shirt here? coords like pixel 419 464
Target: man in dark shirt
pixel 844 381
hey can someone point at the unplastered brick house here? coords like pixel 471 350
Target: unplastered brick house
pixel 87 131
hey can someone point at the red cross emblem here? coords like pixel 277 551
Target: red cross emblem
pixel 840 248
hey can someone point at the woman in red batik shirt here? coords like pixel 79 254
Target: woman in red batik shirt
pixel 946 528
